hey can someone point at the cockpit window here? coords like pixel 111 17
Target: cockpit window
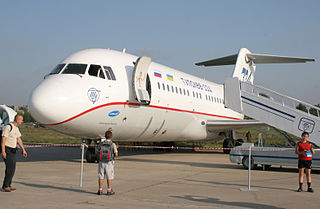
pixel 101 74
pixel 75 69
pixel 109 73
pixel 96 70
pixel 57 69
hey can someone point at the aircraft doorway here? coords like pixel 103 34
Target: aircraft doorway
pixel 141 80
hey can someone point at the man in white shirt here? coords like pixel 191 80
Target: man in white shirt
pixel 10 138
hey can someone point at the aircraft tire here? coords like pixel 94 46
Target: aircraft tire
pixel 228 143
pixel 90 155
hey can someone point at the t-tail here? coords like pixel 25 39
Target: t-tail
pixel 245 63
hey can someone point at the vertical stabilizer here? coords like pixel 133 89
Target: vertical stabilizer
pixel 244 68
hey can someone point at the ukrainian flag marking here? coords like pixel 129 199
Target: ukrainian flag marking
pixel 169 77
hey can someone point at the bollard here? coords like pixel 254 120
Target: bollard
pixel 249 174
pixel 81 169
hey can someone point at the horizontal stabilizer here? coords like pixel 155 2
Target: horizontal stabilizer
pixel 264 58
pixel 255 58
pixel 229 60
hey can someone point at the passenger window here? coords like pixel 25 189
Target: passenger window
pixel 188 92
pixel 200 96
pixel 57 69
pixel 168 88
pixel 95 70
pixel 158 85
pixel 163 87
pixel 193 94
pixel 75 69
pixel 197 94
pixel 180 90
pixel 184 91
pixel 109 73
pixel 176 90
pixel 172 89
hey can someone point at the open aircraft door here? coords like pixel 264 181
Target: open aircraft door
pixel 6 115
pixel 141 81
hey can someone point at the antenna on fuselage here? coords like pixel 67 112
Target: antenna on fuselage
pixel 124 50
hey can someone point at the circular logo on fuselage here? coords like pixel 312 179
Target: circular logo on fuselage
pixel 114 113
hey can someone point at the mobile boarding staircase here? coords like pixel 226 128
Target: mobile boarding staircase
pixel 272 108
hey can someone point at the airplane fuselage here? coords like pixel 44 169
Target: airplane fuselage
pixel 93 92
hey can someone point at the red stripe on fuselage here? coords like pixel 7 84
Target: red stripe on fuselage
pixel 137 104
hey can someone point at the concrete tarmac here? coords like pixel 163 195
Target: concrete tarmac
pixel 50 176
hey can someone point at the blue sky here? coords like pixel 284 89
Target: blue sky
pixel 36 35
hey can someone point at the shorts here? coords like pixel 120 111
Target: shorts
pixel 106 170
pixel 304 164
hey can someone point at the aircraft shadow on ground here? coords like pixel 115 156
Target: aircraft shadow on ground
pixel 50 154
pixel 73 154
pixel 226 203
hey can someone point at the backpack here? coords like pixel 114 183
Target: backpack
pixel 106 153
pixel 1 135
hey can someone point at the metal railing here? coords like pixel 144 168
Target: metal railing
pixel 280 99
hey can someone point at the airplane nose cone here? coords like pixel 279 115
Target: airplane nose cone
pixel 42 102
pixel 50 100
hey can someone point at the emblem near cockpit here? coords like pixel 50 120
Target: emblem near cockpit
pixel 93 94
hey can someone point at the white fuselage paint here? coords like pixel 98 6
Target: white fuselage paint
pixel 61 102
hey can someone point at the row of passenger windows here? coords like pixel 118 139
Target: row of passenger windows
pixel 94 70
pixel 185 92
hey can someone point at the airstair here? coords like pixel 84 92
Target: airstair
pixel 275 109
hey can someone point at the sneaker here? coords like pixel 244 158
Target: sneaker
pixel 299 190
pixel 110 192
pixel 12 188
pixel 6 189
pixel 310 189
pixel 99 192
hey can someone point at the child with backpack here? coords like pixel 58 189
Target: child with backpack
pixel 107 151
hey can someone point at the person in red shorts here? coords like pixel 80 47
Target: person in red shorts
pixel 304 150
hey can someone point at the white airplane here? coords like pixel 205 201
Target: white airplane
pixel 94 90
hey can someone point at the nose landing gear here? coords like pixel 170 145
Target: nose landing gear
pixel 91 155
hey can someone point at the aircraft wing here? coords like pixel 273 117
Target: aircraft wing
pixel 223 125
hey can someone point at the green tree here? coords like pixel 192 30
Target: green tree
pixel 27 116
pixel 302 107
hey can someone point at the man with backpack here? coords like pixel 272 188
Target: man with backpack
pixel 107 151
pixel 10 138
